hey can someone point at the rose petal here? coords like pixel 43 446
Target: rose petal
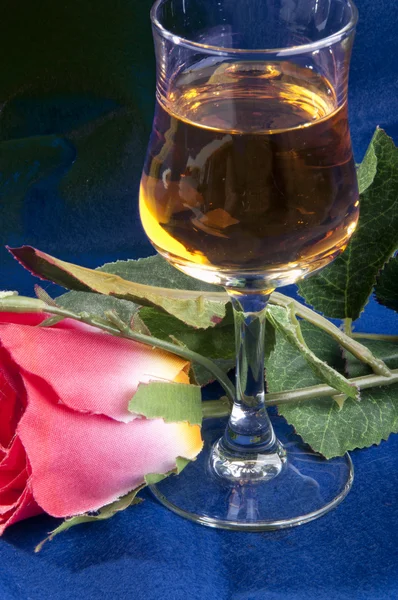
pixel 16 497
pixel 25 507
pixel 23 318
pixel 10 493
pixel 13 475
pixel 15 459
pixel 12 399
pixel 8 420
pixel 89 371
pixel 34 319
pixel 82 462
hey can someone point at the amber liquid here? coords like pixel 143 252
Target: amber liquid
pixel 249 170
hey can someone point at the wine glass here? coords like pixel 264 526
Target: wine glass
pixel 250 183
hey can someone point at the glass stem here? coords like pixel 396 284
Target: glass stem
pixel 249 426
pixel 249 448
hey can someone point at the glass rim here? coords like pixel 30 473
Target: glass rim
pixel 286 51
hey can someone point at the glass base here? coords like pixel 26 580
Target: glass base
pixel 248 467
pixel 305 488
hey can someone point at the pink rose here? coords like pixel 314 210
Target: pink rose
pixel 68 444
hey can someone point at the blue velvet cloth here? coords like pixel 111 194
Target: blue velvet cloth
pixel 76 96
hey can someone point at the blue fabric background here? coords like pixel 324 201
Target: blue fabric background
pixel 76 96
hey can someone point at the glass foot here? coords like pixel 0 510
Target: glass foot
pixel 247 467
pixel 304 486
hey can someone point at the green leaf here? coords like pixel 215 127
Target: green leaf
pixel 342 289
pixel 172 402
pixel 332 431
pixel 288 369
pixel 386 290
pixel 192 306
pixel 157 272
pixel 217 343
pixel 367 170
pixel 202 377
pixel 106 512
pixel 97 305
pixel 44 296
pixel 270 338
pixel 327 428
pixel 153 478
pixel 286 323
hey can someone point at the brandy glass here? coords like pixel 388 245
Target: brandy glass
pixel 250 183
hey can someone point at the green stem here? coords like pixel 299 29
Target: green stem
pixel 326 391
pixel 358 350
pixel 219 408
pixel 128 333
pixel 279 398
pixel 215 409
pixel 375 336
pixel 18 304
pixel 382 375
pixel 348 327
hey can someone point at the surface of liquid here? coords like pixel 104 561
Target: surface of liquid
pixel 249 170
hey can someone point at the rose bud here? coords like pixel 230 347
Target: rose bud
pixel 68 443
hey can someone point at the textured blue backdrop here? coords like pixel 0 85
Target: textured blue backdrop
pixel 76 98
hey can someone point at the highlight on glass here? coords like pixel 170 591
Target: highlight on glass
pixel 250 183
